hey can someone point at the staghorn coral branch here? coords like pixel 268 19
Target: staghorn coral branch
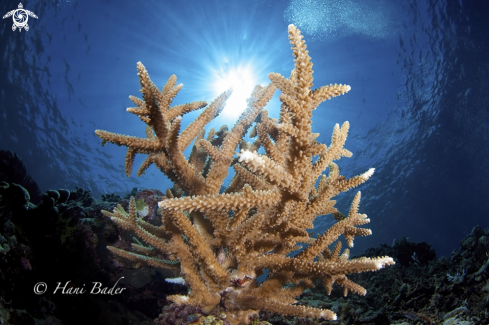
pixel 188 179
pixel 180 110
pixel 156 262
pixel 189 134
pixel 247 199
pixel 143 145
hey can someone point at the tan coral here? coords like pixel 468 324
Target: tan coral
pixel 223 240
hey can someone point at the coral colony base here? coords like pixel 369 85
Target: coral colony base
pixel 219 242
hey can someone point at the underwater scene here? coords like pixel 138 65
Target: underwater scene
pixel 229 162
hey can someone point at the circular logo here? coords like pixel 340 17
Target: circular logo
pixel 20 18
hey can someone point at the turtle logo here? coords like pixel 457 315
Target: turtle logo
pixel 20 17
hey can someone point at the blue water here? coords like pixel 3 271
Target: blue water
pixel 418 107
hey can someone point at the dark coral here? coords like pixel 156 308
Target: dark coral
pixel 62 240
pixel 404 252
pixel 178 315
pixel 13 170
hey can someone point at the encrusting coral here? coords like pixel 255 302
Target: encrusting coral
pixel 220 242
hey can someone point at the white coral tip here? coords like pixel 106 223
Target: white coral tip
pixel 246 156
pixel 179 280
pixel 250 158
pixel 324 314
pixel 383 262
pixel 368 173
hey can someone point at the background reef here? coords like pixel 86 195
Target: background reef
pixel 64 238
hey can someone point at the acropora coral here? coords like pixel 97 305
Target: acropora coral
pixel 221 241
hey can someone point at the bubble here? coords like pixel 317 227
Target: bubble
pixel 340 18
